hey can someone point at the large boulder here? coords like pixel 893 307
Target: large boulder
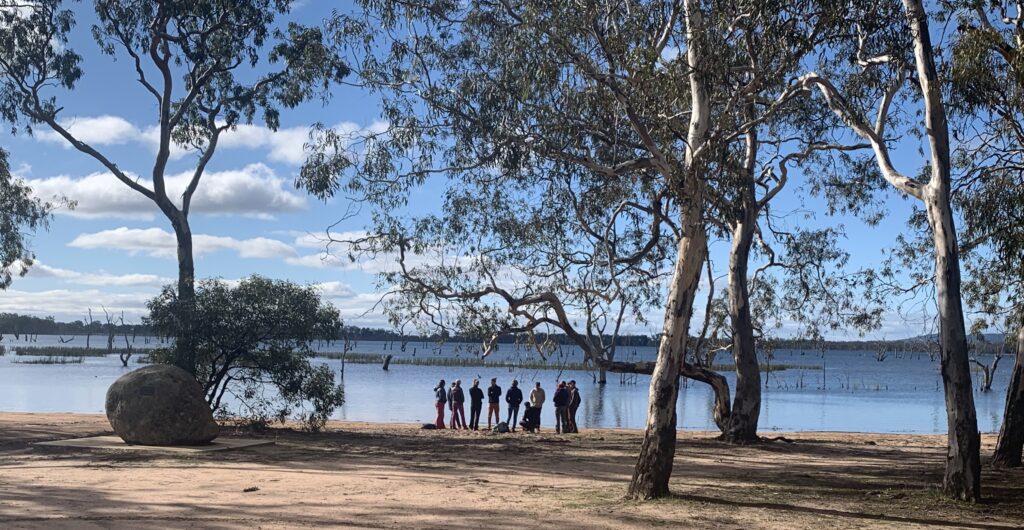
pixel 160 404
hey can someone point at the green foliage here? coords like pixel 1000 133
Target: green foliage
pixel 988 88
pixel 256 335
pixel 21 214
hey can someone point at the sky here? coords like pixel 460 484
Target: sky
pixel 116 250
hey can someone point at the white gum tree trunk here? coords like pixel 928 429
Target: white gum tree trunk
pixel 657 451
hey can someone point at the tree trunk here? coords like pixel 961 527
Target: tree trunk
pixel 962 479
pixel 1010 443
pixel 184 347
pixel 657 451
pixel 602 376
pixel 963 460
pixel 746 406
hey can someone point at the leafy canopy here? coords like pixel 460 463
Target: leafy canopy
pixel 260 332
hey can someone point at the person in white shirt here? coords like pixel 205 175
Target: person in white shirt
pixel 537 397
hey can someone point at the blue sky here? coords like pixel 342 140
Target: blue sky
pixel 115 249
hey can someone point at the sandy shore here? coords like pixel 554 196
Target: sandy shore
pixel 397 476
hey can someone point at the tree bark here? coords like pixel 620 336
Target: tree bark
pixel 962 479
pixel 746 406
pixel 1010 443
pixel 184 347
pixel 657 451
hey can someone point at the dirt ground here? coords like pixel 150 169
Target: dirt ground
pixel 360 475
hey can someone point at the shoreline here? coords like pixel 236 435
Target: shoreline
pixel 373 475
pixel 413 425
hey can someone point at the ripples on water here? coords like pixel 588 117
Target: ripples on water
pixel 834 391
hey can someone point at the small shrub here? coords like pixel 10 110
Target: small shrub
pixel 255 342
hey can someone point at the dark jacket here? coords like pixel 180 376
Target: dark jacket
pixel 458 396
pixel 440 394
pixel 514 396
pixel 476 395
pixel 574 398
pixel 494 394
pixel 561 398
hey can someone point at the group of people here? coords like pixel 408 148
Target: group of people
pixel 566 401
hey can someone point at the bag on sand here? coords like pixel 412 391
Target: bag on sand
pixel 501 427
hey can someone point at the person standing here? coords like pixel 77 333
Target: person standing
pixel 458 408
pixel 537 397
pixel 440 398
pixel 574 404
pixel 476 403
pixel 493 402
pixel 561 401
pixel 513 397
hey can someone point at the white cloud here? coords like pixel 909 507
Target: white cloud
pixel 160 243
pixel 100 279
pixel 253 191
pixel 284 145
pixel 98 130
pixel 66 304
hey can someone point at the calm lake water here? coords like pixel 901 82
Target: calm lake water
pixel 830 391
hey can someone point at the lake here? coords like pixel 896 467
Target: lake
pixel 825 391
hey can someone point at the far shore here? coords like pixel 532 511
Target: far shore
pixel 379 475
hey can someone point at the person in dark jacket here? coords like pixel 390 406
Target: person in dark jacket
pixel 440 398
pixel 561 401
pixel 493 402
pixel 458 408
pixel 574 404
pixel 513 397
pixel 476 403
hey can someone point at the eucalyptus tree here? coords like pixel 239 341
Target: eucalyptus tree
pixel 21 213
pixel 772 42
pixel 870 66
pixel 574 145
pixel 208 67
pixel 988 84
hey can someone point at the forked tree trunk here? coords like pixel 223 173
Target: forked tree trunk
pixel 1010 443
pixel 657 451
pixel 746 406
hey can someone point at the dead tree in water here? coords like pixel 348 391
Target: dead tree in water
pixel 128 345
pixel 988 371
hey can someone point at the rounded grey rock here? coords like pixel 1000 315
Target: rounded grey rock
pixel 160 404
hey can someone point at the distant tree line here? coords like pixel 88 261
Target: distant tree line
pixel 12 323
